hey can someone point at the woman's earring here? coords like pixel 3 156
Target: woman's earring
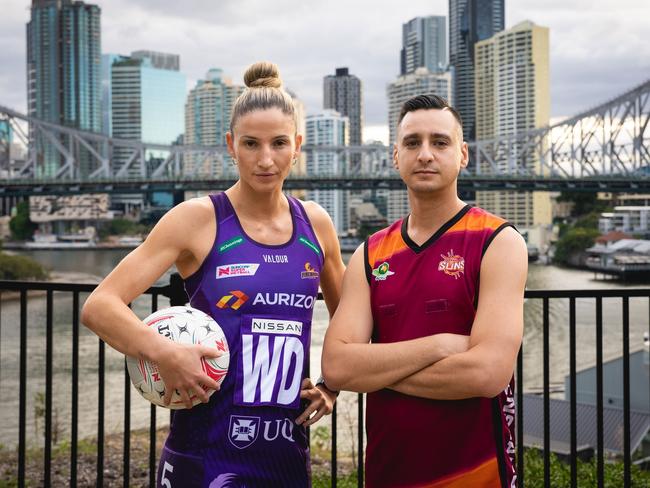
pixel 295 161
pixel 234 162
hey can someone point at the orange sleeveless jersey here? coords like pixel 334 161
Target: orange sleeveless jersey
pixel 418 291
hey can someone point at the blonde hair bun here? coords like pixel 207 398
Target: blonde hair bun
pixel 264 92
pixel 263 74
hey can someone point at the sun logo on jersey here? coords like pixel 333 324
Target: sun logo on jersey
pixel 382 272
pixel 452 264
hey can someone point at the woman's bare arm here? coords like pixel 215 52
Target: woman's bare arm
pixel 106 310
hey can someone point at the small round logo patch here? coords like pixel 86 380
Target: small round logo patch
pixel 382 272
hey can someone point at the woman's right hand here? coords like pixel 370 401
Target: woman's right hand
pixel 181 370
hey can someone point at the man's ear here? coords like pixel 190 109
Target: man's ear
pixel 464 160
pixel 395 158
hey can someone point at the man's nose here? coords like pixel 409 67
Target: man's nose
pixel 426 153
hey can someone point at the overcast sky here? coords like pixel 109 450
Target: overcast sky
pixel 599 48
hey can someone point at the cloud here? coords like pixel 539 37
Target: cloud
pixel 598 48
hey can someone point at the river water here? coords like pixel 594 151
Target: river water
pixel 92 265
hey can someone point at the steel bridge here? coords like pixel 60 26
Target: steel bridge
pixel 606 148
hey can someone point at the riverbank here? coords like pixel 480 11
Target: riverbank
pixel 54 277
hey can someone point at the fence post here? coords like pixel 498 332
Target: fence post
pixel 177 295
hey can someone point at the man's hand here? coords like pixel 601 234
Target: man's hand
pixel 181 370
pixel 321 402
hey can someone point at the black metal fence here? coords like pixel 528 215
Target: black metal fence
pixel 174 291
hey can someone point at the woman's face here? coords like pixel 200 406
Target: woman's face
pixel 264 144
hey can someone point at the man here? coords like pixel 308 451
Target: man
pixel 435 356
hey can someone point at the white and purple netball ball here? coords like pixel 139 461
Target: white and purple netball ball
pixel 185 325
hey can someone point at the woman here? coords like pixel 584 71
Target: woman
pixel 251 257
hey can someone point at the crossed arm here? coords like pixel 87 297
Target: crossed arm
pixel 441 366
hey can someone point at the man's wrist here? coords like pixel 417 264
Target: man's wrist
pixel 321 382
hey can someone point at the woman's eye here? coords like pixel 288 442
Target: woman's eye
pixel 249 143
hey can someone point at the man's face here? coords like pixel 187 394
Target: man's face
pixel 429 152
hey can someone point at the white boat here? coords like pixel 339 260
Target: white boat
pixel 66 241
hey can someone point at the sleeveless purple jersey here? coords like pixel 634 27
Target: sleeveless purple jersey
pixel 262 296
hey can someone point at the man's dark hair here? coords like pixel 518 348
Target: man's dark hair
pixel 426 102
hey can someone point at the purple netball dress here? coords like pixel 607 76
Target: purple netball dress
pixel 263 297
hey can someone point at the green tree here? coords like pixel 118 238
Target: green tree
pixel 20 268
pixel 583 202
pixel 574 241
pixel 21 227
pixel 588 221
pixel 120 227
pixel 367 230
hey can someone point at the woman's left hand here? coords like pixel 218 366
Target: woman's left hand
pixel 321 401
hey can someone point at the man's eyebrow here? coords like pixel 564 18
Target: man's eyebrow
pixel 411 136
pixel 434 135
pixel 440 135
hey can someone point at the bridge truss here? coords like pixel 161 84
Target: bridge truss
pixel 606 148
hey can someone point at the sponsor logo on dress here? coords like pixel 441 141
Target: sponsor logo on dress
pixel 273 326
pixel 270 371
pixel 233 270
pixel 309 273
pixel 296 300
pixel 225 301
pixel 382 272
pixel 452 264
pixel 231 244
pixel 303 240
pixel 243 430
pixel 275 258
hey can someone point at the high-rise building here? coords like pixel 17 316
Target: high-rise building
pixel 207 119
pixel 328 128
pixel 420 82
pixel 146 92
pixel 424 44
pixel 147 99
pixel 107 95
pixel 64 73
pixel 470 21
pixel 513 96
pixel 5 148
pixel 342 92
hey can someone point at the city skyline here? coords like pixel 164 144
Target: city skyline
pixel 585 70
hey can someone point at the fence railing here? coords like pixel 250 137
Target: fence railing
pixel 22 292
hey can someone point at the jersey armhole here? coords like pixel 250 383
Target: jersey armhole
pixel 494 234
pixel 199 274
pixel 485 248
pixel 366 262
pixel 301 213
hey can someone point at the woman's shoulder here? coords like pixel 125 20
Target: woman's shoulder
pixel 194 208
pixel 188 216
pixel 317 214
